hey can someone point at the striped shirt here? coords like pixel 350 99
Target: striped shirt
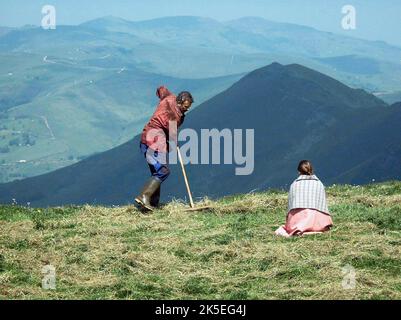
pixel 307 192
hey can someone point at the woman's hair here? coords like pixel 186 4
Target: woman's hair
pixel 184 96
pixel 305 167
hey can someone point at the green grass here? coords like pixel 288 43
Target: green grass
pixel 229 252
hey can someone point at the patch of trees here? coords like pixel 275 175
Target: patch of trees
pixel 14 142
pixel 24 140
pixel 27 140
pixel 5 149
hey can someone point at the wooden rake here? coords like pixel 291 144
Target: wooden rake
pixel 191 201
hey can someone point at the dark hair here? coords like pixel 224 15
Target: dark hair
pixel 184 96
pixel 305 167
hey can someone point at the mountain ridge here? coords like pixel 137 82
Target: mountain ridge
pixel 246 20
pixel 303 125
pixel 46 70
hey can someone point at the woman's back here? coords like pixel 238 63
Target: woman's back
pixel 307 192
pixel 307 206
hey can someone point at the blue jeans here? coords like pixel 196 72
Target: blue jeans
pixel 157 162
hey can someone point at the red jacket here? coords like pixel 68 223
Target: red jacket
pixel 156 132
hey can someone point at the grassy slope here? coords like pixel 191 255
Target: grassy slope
pixel 228 253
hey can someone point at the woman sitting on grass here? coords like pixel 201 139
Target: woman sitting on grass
pixel 307 206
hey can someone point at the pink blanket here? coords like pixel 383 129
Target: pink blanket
pixel 305 221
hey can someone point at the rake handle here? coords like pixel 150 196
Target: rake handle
pixel 185 178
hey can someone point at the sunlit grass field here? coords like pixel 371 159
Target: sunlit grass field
pixel 228 252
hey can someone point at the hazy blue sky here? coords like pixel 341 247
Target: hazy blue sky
pixel 376 19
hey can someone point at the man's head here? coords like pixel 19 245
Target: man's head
pixel 184 101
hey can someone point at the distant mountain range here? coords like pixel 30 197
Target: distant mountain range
pixel 75 91
pixel 297 113
pixel 357 62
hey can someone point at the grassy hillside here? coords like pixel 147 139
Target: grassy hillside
pixel 229 252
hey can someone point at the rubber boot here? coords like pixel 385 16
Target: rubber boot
pixel 155 199
pixel 148 190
